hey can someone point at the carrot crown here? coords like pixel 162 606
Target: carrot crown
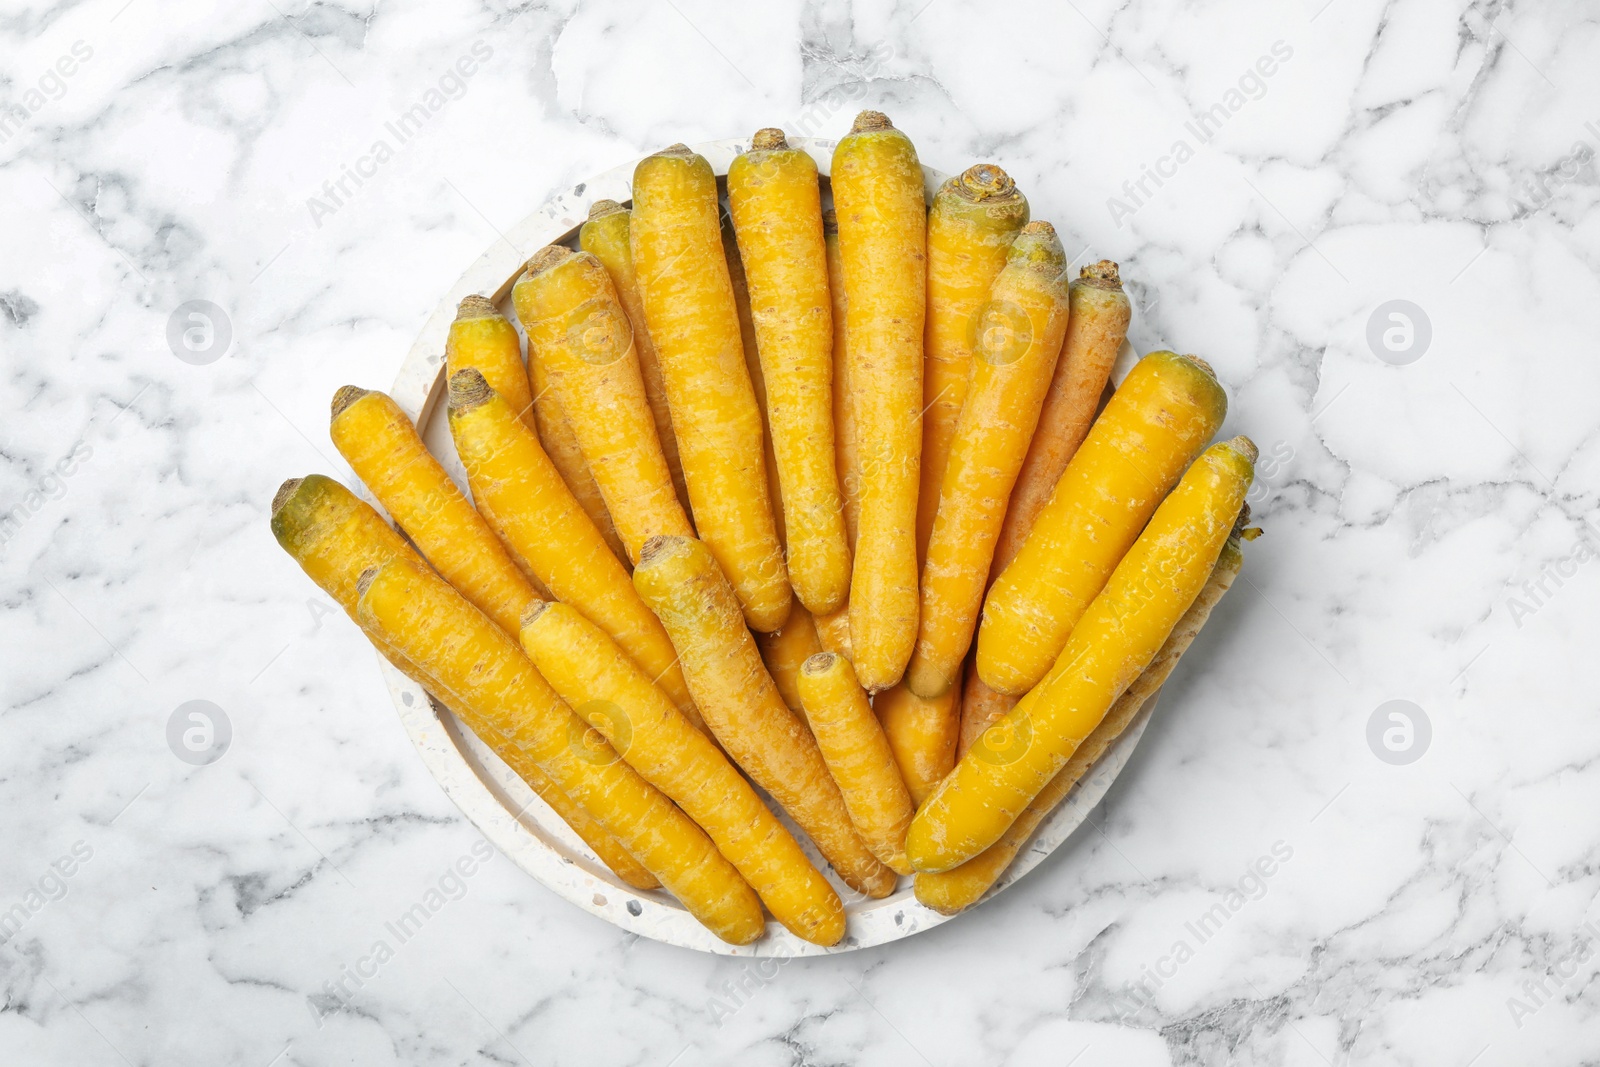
pixel 285 491
pixel 985 181
pixel 547 257
pixel 601 208
pixel 820 663
pixel 468 389
pixel 868 121
pixel 476 307
pixel 346 395
pixel 1101 275
pixel 770 138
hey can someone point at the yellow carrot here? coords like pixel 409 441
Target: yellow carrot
pixel 680 580
pixel 498 691
pixel 980 707
pixel 605 236
pixel 1161 416
pixel 971 223
pixel 539 515
pixel 482 338
pixel 922 735
pixel 1022 327
pixel 783 651
pixel 878 194
pixel 579 334
pixel 959 887
pixel 561 445
pixel 858 756
pixel 758 381
pixel 688 302
pixel 381 445
pixel 833 632
pixel 1095 332
pixel 847 461
pixel 334 536
pixel 597 679
pixel 1113 643
pixel 776 203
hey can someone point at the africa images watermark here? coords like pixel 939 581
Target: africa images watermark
pixel 49 86
pixel 1541 991
pixel 338 993
pixel 1540 590
pixel 51 487
pixel 45 890
pixel 450 86
pixel 1251 85
pixel 1251 886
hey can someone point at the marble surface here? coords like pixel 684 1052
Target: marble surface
pixel 1287 873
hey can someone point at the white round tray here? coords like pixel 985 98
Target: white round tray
pixel 497 802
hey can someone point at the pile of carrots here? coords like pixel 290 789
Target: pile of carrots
pixel 824 502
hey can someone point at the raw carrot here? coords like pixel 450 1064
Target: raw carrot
pixel 688 302
pixel 833 632
pixel 922 735
pixel 1024 322
pixel 1115 640
pixel 783 651
pixel 561 445
pixel 959 887
pixel 758 381
pixel 1161 416
pixel 540 516
pixel 776 203
pixel 605 236
pixel 498 691
pixel 482 338
pixel 971 223
pixel 858 756
pixel 847 462
pixel 680 580
pixel 879 196
pixel 382 446
pixel 1095 331
pixel 579 334
pixel 334 536
pixel 600 682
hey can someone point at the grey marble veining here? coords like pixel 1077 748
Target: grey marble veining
pixel 1268 882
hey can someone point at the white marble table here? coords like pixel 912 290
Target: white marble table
pixel 1270 882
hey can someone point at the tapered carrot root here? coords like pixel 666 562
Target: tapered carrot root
pixel 688 302
pixel 847 460
pixel 1095 331
pixel 776 203
pixel 561 445
pixel 858 756
pixel 498 691
pixel 680 580
pixel 878 195
pixel 1115 640
pixel 542 519
pixel 785 650
pixel 1020 335
pixel 962 886
pixel 922 735
pixel 1162 415
pixel 833 632
pixel 335 536
pixel 605 236
pixel 579 333
pixel 980 708
pixel 758 380
pixel 482 338
pixel 972 222
pixel 382 446
pixel 599 681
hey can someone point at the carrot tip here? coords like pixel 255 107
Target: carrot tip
pixel 345 396
pixel 285 491
pixel 1103 275
pixel 547 257
pixel 868 121
pixel 820 663
pixel 476 307
pixel 468 389
pixel 769 137
pixel 533 611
